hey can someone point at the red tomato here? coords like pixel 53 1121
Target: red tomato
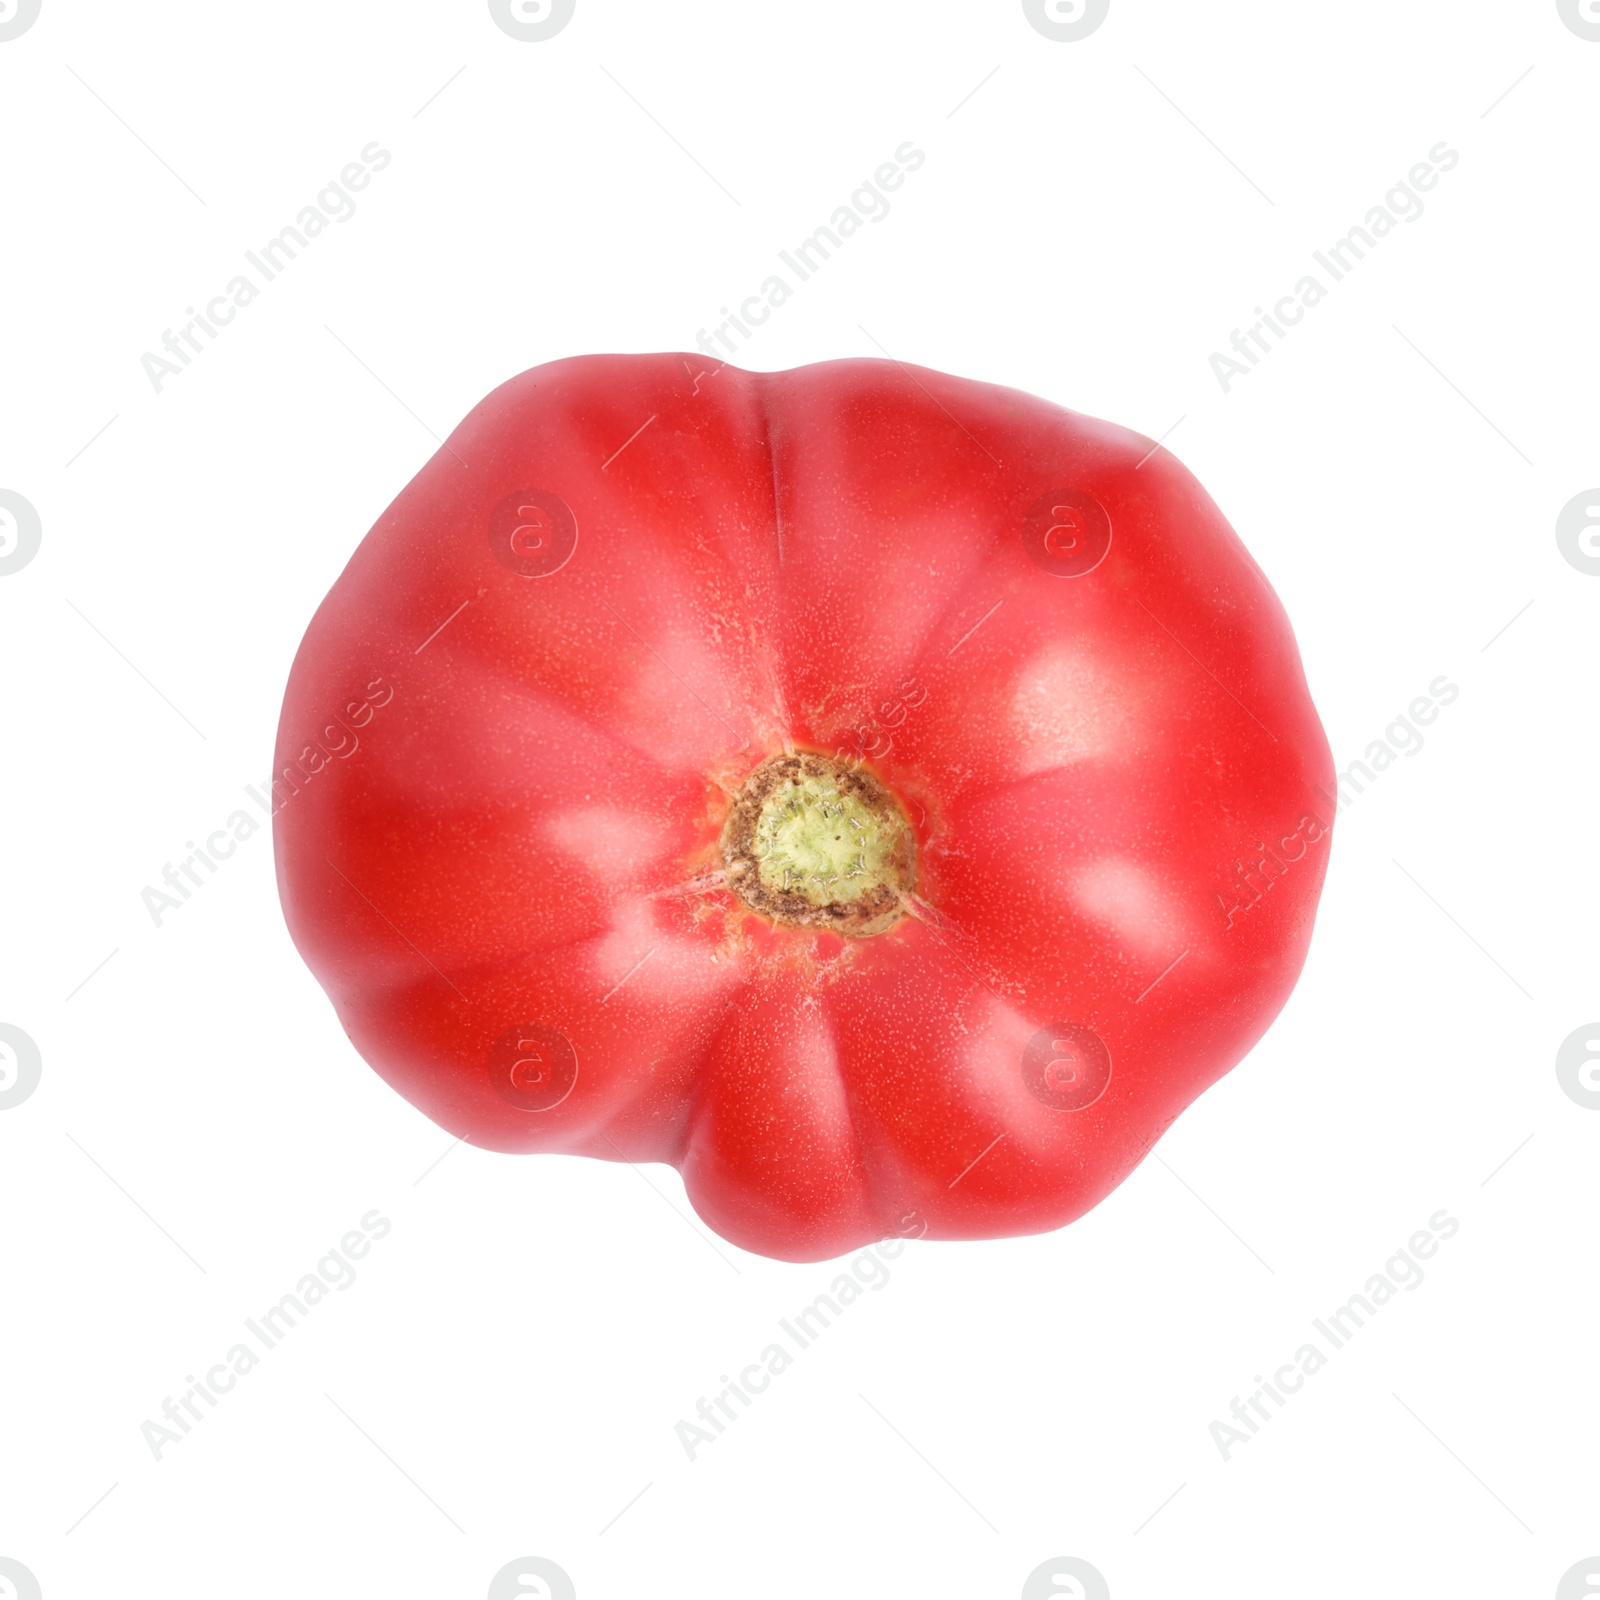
pixel 890 799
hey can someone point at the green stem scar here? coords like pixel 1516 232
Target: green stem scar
pixel 812 842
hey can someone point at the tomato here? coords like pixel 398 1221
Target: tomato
pixel 888 798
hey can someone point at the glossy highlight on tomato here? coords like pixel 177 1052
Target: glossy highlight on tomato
pixel 888 798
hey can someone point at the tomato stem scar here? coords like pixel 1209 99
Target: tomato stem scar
pixel 813 842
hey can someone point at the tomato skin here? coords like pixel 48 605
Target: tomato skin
pixel 627 580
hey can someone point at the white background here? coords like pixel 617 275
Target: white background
pixel 505 1376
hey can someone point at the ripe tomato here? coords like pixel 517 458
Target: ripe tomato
pixel 888 798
